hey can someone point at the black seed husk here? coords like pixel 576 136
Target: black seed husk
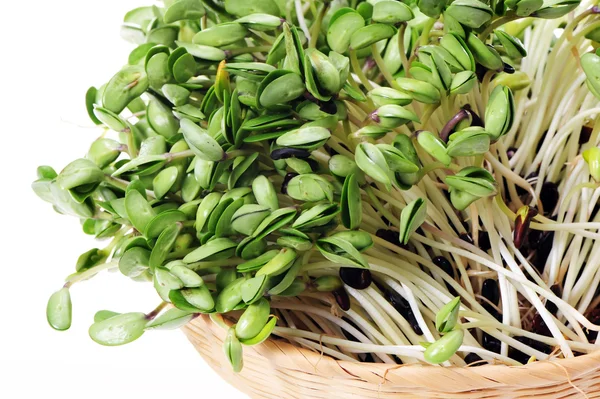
pixel 549 197
pixel 585 134
pixel 403 307
pixel 391 236
pixel 516 354
pixel 531 178
pixel 551 306
pixel 466 238
pixel 342 299
pixel 358 279
pixel 286 180
pixel 491 291
pixel 543 247
pixel 284 153
pixel 484 241
pixel 472 358
pixel 329 107
pixel 508 68
pixel 444 264
pixel 491 343
pixel 475 119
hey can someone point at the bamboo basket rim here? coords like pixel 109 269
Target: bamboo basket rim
pixel 536 375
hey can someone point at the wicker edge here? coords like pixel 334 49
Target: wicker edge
pixel 277 369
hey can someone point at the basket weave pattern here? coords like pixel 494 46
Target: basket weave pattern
pixel 279 370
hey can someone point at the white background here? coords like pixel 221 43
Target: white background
pixel 52 52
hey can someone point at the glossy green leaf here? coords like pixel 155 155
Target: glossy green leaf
pixel 463 82
pixel 318 215
pixel 328 283
pixel 512 46
pixel 279 264
pixel 468 142
pixel 59 309
pixel 171 319
pixel 471 13
pixel 470 184
pixel 434 147
pixel 264 192
pixel 387 95
pixel 370 34
pixel 81 172
pixel 279 87
pixel 244 7
pixel 391 116
pixel 253 289
pixel 221 35
pixel 258 262
pixel 102 315
pixel 524 8
pixel 396 160
pixel 592 158
pixel 165 279
pixel 230 296
pixel 104 151
pixel 591 66
pixel 163 182
pixel 224 224
pixel 134 262
pixel 164 245
pixel 342 166
pixel 247 218
pixel 555 8
pixel 139 211
pixel 423 92
pixel 233 351
pixel 263 334
pixel 310 187
pixel 372 161
pixel 483 54
pixel 200 142
pixel 431 8
pixel 342 252
pixel 163 220
pixel 203 52
pixel 358 239
pixel 391 12
pixel 305 137
pixel 442 349
pixel 499 112
pixel 215 249
pixel 119 330
pixel 200 298
pixel 183 9
pixel 342 25
pixel 188 277
pixel 157 67
pixel 260 21
pixel 126 85
pixel 411 218
pixel 288 279
pixel 253 320
pixel 91 97
pixel 350 203
pixel 176 94
pixel 90 259
pixel 208 204
pixel 447 317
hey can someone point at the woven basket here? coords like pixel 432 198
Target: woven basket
pixel 279 370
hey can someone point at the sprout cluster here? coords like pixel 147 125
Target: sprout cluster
pixel 383 181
